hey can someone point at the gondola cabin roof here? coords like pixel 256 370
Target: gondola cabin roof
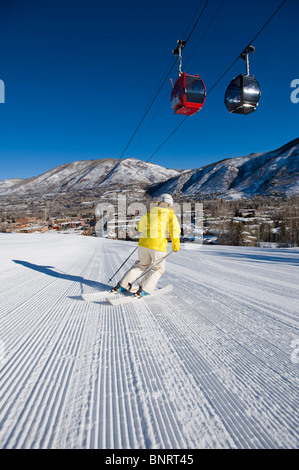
pixel 242 95
pixel 188 94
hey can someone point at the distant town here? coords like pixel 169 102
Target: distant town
pixel 259 222
pixel 33 224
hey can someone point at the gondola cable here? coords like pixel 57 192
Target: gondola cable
pixel 152 102
pixel 216 83
pixel 208 26
pixel 250 42
pixel 146 112
pixel 163 82
pixel 209 91
pixel 198 42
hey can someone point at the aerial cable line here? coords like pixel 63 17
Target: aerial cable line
pixel 198 42
pixel 139 125
pixel 146 112
pixel 216 83
pixel 209 25
pixel 160 146
pixel 252 40
pixel 192 20
pixel 180 124
pixel 197 20
pixel 158 91
pixel 167 138
pixel 161 86
pixel 267 22
pixel 153 99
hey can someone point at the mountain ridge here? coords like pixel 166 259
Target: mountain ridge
pixel 268 173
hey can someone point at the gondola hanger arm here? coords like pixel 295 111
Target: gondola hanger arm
pixel 245 57
pixel 178 52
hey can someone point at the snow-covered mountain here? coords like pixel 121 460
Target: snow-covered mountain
pixel 8 184
pixel 269 173
pixel 90 174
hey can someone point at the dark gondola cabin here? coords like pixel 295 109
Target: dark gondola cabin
pixel 242 95
pixel 243 92
pixel 188 94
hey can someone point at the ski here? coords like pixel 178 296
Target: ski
pixel 95 296
pixel 131 298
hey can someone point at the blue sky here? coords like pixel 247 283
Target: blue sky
pixel 79 76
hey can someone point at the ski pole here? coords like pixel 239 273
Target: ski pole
pixel 123 264
pixel 152 266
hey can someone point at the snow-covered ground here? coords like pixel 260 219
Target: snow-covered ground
pixel 214 364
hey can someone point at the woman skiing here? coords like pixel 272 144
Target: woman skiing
pixel 154 226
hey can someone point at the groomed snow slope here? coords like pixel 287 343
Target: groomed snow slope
pixel 211 365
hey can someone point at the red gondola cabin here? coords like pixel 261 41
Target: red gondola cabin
pixel 188 94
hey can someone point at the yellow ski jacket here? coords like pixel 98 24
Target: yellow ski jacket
pixel 155 227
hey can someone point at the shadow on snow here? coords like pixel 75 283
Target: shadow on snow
pixel 50 271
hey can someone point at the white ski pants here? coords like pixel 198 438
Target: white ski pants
pixel 146 257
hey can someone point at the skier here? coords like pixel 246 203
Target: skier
pixel 154 226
